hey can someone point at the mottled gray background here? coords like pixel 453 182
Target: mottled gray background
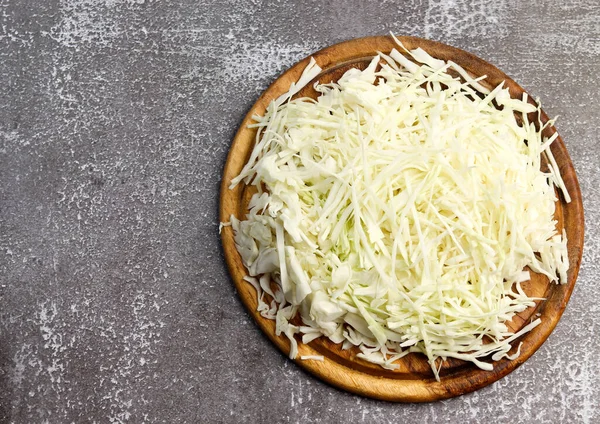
pixel 115 121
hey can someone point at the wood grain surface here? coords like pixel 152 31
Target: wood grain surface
pixel 413 381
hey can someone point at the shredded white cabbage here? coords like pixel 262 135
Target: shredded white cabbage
pixel 312 357
pixel 398 212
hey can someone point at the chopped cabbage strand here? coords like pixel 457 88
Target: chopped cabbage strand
pixel 398 211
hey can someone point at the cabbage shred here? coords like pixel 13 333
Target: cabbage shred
pixel 397 212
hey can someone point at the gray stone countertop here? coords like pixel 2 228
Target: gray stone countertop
pixel 115 121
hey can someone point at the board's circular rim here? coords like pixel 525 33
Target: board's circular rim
pixel 345 377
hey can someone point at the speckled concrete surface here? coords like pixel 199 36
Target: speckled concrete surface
pixel 115 121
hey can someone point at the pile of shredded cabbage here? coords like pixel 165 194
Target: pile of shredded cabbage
pixel 398 211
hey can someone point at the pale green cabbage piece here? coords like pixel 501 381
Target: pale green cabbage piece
pixel 401 209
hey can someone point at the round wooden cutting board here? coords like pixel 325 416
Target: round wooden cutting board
pixel 413 381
